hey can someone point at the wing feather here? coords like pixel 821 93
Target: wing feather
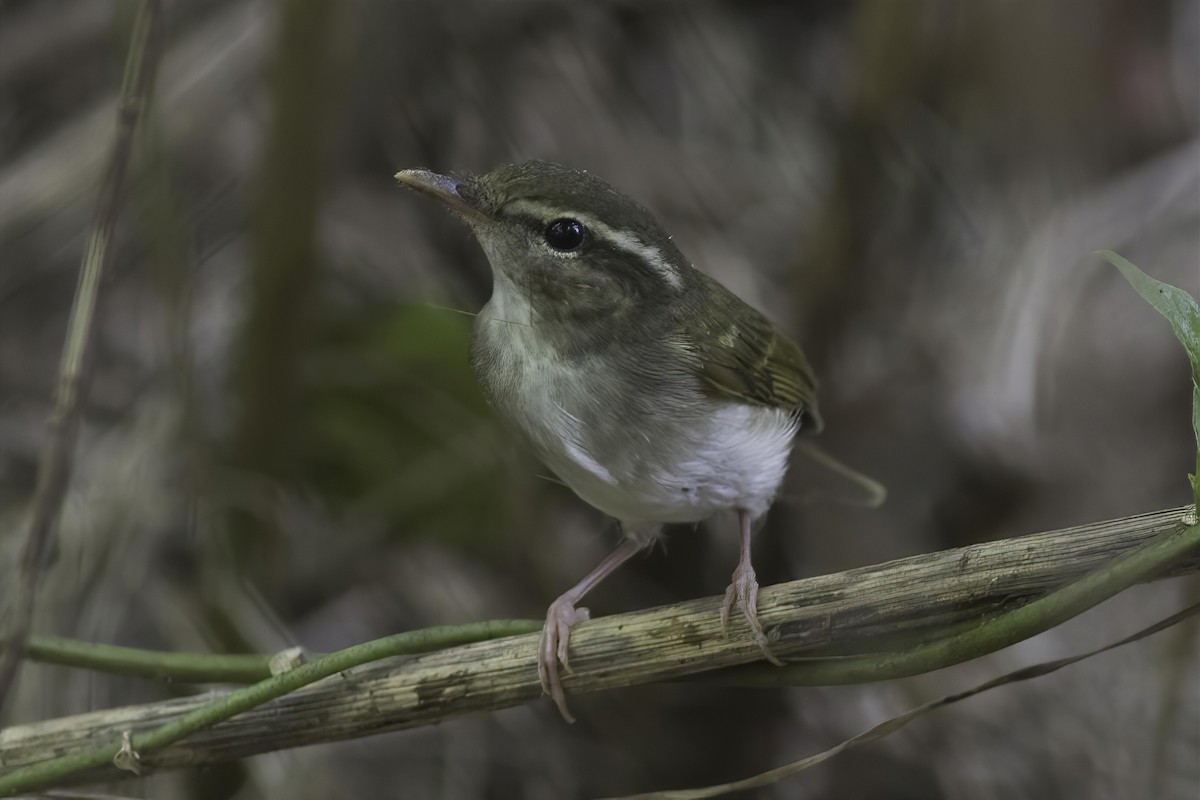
pixel 739 354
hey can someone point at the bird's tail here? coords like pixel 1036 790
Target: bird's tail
pixel 869 493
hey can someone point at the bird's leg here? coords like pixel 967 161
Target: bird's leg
pixel 562 614
pixel 744 591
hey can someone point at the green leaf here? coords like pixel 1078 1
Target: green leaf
pixel 1196 431
pixel 1179 307
pixel 1182 311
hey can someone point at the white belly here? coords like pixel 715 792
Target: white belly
pixel 679 460
pixel 736 459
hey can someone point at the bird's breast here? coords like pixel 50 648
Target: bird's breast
pixel 654 449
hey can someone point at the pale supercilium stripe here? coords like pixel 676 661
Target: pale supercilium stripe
pixel 622 240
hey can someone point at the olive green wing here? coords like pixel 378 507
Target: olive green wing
pixel 740 355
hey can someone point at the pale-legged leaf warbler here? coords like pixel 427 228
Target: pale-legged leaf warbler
pixel 645 385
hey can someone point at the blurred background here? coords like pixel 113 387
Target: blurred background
pixel 284 444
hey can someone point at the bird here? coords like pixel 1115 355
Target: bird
pixel 645 385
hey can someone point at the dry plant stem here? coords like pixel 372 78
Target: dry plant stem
pixel 54 469
pixel 853 611
pixel 234 703
pixel 990 634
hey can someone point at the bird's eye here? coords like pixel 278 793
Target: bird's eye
pixel 565 235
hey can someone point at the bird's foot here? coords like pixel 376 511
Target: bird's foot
pixel 743 591
pixel 552 649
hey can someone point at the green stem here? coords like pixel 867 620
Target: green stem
pixel 55 770
pixel 991 634
pixel 157 664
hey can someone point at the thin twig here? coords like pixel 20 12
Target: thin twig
pixel 54 469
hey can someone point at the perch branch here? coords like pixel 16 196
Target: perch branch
pixel 869 609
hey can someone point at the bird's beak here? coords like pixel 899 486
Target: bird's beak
pixel 457 195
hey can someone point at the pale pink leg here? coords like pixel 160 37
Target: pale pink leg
pixel 744 591
pixel 562 614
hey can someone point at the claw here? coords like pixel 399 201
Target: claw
pixel 726 604
pixel 552 649
pixel 743 590
pixel 562 615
